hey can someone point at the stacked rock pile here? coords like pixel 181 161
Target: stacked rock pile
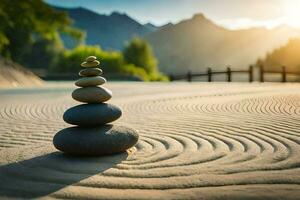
pixel 93 136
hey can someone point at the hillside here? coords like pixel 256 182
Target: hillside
pixel 198 43
pixel 12 75
pixel 108 31
pixel 287 55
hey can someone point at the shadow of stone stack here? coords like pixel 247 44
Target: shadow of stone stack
pixel 93 136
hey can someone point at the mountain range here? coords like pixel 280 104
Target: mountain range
pixel 193 44
pixel 111 32
pixel 198 43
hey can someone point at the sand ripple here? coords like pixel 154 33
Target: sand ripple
pixel 230 145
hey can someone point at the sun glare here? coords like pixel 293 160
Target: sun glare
pixel 288 14
pixel 292 13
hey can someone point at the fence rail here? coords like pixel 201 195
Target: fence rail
pixel 209 74
pixel 229 72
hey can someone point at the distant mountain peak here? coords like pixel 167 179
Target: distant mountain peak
pixel 119 14
pixel 150 24
pixel 151 27
pixel 80 8
pixel 199 16
pixel 167 25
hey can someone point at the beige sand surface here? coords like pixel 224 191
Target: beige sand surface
pixel 14 75
pixel 198 141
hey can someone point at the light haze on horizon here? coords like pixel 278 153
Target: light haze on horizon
pixel 233 14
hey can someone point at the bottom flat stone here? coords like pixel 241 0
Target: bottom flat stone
pixel 95 141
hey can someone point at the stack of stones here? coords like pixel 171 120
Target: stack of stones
pixel 92 135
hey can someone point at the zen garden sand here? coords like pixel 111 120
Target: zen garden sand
pixel 197 141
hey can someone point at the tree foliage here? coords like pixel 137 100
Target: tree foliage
pixel 26 23
pixel 139 53
pixel 287 55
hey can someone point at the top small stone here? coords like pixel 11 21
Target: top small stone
pixel 91 58
pixel 94 63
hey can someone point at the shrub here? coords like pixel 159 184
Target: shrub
pixel 69 60
pixel 112 62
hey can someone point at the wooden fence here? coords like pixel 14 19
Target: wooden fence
pixel 229 73
pixel 283 72
pixel 209 74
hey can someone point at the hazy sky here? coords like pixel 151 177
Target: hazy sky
pixel 229 13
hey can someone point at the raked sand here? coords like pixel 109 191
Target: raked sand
pixel 197 141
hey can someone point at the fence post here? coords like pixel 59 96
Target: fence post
pixel 283 74
pixel 189 76
pixel 250 73
pixel 261 72
pixel 209 74
pixel 228 74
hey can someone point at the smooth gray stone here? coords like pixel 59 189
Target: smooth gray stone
pixel 92 114
pixel 92 94
pixel 90 81
pixel 95 141
pixel 90 72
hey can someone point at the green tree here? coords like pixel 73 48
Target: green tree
pixel 44 53
pixel 112 62
pixel 286 55
pixel 24 23
pixel 139 53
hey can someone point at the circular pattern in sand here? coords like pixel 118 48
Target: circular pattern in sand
pixel 215 146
